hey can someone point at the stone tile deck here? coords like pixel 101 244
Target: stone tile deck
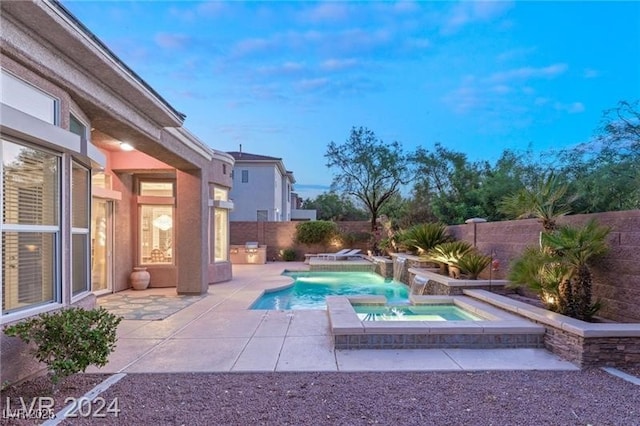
pixel 219 334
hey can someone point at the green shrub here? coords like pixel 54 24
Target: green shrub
pixel 289 255
pixel 350 239
pixel 70 340
pixel 316 232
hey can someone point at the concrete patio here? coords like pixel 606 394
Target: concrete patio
pixel 220 334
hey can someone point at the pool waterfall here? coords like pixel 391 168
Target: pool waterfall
pixel 418 285
pixel 398 267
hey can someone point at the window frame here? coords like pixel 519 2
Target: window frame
pixel 154 201
pixel 86 231
pixel 218 195
pixel 56 231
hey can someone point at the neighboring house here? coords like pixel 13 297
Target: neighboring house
pixel 261 190
pixel 297 213
pixel 98 176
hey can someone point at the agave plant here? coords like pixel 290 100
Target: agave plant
pixel 425 236
pixel 473 263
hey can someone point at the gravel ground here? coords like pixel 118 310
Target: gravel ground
pixel 589 397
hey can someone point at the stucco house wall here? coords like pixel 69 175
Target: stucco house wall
pixel 268 188
pixel 259 193
pixel 43 46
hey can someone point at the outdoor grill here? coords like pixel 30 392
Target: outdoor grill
pixel 251 247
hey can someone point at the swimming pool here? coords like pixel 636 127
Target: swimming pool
pixel 414 313
pixel 310 289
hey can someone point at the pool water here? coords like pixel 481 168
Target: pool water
pixel 311 288
pixel 413 313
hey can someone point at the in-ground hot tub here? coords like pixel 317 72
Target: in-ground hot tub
pixel 421 312
pixel 493 327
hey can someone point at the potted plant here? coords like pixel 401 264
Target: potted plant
pixel 448 254
pixel 473 263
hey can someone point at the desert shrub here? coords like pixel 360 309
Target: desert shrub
pixel 70 340
pixel 560 270
pixel 473 263
pixel 289 255
pixel 425 237
pixel 450 252
pixel 316 232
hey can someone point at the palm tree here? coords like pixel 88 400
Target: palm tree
pixel 547 202
pixel 541 272
pixel 576 247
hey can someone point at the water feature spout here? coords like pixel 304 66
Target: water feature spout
pixel 418 285
pixel 398 267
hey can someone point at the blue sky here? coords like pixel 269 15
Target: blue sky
pixel 286 78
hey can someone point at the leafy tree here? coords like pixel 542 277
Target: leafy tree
pixel 606 171
pixel 510 173
pixel 368 169
pixel 331 206
pixel 453 183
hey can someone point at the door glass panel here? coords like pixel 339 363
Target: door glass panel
pixel 100 250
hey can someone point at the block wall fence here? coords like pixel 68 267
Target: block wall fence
pixel 616 275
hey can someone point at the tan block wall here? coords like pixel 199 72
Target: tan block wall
pixel 616 275
pixel 278 236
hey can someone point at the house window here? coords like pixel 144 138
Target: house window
pixel 24 97
pixel 156 222
pixel 218 225
pixel 78 127
pixel 224 169
pixel 80 196
pixel 245 176
pixel 263 216
pixel 30 227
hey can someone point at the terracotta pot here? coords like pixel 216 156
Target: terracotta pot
pixel 454 272
pixel 140 278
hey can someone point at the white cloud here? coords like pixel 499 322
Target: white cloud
pixel 327 12
pixel 285 68
pixel 250 46
pixel 572 108
pixel 524 73
pixel 470 12
pixel 335 64
pixel 312 84
pixel 172 41
pixel 514 54
pixel 501 89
